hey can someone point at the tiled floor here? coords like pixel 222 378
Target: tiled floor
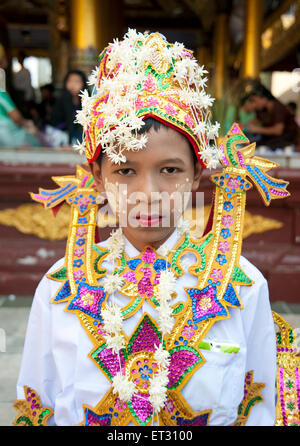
pixel 14 314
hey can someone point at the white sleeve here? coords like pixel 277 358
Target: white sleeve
pixel 261 344
pixel 38 369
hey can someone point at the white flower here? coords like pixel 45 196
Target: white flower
pixel 213 130
pixel 115 244
pixel 176 50
pixel 93 78
pixel 116 342
pixel 79 147
pixel 162 357
pixel 112 283
pixel 158 390
pixel 210 156
pixel 200 128
pixel 113 318
pixel 165 320
pixel 123 387
pixel 166 286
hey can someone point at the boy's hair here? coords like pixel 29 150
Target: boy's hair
pixel 151 123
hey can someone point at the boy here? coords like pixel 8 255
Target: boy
pixel 170 330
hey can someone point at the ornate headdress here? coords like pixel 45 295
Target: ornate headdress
pixel 141 76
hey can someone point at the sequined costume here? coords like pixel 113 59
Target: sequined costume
pixel 217 364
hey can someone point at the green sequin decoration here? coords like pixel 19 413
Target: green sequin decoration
pixel 59 275
pixel 228 147
pixel 178 309
pixel 291 336
pixel 278 336
pixel 42 415
pixel 199 248
pixel 251 403
pixel 101 254
pixel 25 419
pixel 133 306
pixel 238 275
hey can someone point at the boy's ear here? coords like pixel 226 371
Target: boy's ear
pixel 197 176
pixel 96 172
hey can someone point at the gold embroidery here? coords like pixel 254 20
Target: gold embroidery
pixel 251 397
pixel 30 410
pixel 288 383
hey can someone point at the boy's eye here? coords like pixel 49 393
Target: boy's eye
pixel 170 169
pixel 125 172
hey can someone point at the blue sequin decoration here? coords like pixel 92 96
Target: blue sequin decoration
pixel 231 297
pixel 64 292
pixel 259 181
pixel 104 420
pixel 133 264
pixel 267 180
pixel 160 264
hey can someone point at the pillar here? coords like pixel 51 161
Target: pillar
pixel 94 24
pixel 221 40
pixel 252 38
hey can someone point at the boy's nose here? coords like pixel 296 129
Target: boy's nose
pixel 150 189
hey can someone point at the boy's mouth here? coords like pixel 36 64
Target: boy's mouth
pixel 149 220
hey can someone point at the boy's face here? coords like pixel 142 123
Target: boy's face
pixel 147 191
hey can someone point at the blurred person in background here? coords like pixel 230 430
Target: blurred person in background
pixel 46 105
pixel 274 126
pixel 64 110
pixel 23 91
pixel 15 130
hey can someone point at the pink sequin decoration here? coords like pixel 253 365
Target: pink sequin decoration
pixel 241 160
pixel 89 299
pixel 188 120
pixel 148 256
pixel 111 361
pixel 233 183
pixel 145 286
pixel 170 110
pixel 181 360
pixel 216 274
pixel 141 406
pixel 145 340
pixel 153 102
pixel 130 276
pixel 100 123
pixel 79 252
pixel 81 232
pixel 279 193
pixel 223 246
pixel 236 129
pixel 78 274
pixel 149 84
pixel 139 103
pixel 206 303
pixel 227 220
